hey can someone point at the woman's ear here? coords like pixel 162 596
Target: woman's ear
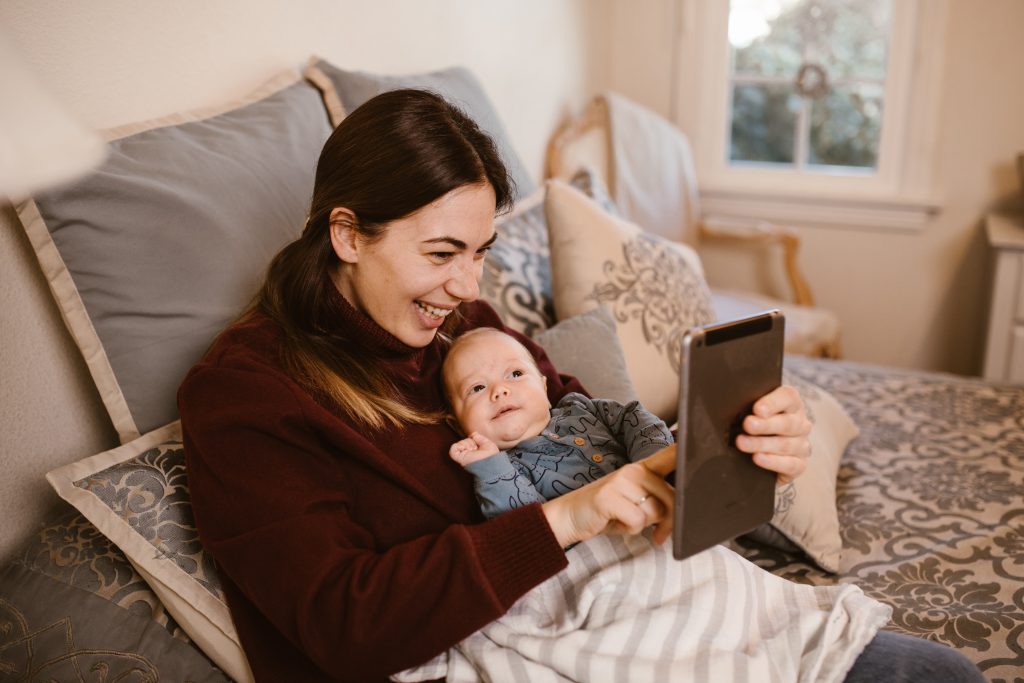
pixel 344 236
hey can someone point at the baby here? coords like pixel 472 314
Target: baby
pixel 520 450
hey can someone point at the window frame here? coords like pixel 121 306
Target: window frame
pixel 898 195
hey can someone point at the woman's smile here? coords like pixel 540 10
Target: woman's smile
pixel 432 316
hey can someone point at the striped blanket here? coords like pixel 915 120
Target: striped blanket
pixel 625 610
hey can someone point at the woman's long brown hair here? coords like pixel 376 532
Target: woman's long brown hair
pixel 389 158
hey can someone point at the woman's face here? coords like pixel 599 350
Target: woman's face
pixel 423 267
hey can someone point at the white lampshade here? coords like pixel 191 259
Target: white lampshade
pixel 40 145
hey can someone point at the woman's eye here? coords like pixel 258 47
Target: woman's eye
pixel 481 254
pixel 442 255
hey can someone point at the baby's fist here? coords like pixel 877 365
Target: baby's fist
pixel 474 447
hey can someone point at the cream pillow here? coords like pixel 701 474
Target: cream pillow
pixel 806 517
pixel 654 288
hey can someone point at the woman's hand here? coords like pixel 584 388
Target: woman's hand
pixel 776 434
pixel 627 501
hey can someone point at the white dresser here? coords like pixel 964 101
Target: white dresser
pixel 1004 350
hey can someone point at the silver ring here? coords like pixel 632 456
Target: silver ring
pixel 640 500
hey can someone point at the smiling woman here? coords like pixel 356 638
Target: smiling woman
pixel 414 276
pixel 406 257
pixel 349 545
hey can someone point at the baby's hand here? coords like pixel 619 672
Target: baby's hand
pixel 474 447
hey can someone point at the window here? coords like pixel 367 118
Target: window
pixel 813 109
pixel 807 81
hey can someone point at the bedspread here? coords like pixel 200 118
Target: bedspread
pixel 931 507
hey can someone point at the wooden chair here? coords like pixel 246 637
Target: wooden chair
pixel 586 141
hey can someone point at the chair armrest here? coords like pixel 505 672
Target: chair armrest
pixel 767 233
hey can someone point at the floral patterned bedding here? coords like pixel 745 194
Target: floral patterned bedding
pixel 930 499
pixel 931 507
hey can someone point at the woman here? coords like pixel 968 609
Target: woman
pixel 349 545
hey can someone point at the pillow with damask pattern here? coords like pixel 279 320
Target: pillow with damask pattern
pixel 137 496
pixel 654 288
pixel 70 602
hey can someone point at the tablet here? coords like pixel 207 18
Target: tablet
pixel 720 492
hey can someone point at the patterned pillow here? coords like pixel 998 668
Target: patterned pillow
pixel 806 519
pixel 655 288
pixel 517 270
pixel 806 516
pixel 71 603
pixel 137 495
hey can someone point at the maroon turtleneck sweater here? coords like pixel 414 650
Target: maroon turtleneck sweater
pixel 344 553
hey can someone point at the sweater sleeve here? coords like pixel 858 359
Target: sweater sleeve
pixel 273 509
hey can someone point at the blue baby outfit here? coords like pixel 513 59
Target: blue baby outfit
pixel 584 440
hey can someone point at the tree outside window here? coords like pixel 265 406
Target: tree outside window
pixel 807 80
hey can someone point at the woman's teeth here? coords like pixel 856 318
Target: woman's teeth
pixel 435 312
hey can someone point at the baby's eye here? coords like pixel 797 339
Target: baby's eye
pixel 518 373
pixel 476 388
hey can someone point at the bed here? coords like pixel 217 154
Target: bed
pixel 927 514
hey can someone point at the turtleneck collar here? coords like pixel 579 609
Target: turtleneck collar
pixel 363 330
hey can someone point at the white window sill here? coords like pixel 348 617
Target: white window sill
pixel 867 213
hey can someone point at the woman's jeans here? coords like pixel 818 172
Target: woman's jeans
pixel 897 658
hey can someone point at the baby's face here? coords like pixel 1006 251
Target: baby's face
pixel 495 389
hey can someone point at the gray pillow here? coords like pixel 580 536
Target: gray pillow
pixel 155 252
pixel 458 85
pixel 73 606
pixel 587 347
pixel 517 271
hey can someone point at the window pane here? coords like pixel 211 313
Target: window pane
pixel 850 37
pixel 762 45
pixel 845 127
pixel 763 123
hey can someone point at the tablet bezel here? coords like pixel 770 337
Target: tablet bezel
pixel 720 492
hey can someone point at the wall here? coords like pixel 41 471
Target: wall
pixel 118 61
pixel 916 300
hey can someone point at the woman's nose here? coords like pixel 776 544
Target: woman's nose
pixel 464 283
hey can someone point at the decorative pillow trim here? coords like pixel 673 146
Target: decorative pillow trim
pixel 76 318
pixel 313 74
pixel 62 286
pixel 222 646
pixel 275 84
pixel 185 599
